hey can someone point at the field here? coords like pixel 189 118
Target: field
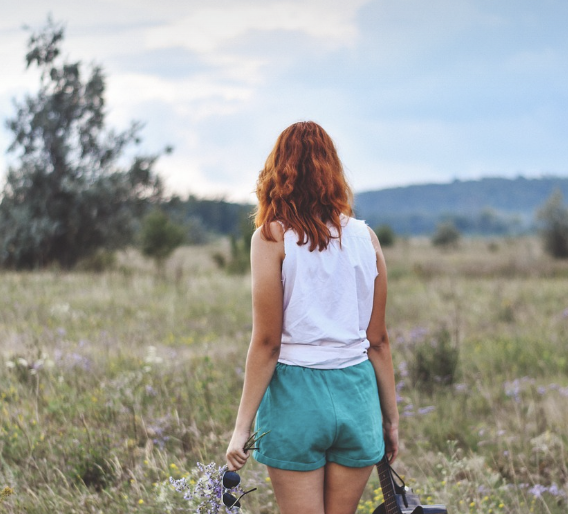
pixel 110 383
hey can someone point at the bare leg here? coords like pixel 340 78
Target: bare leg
pixel 344 487
pixel 298 492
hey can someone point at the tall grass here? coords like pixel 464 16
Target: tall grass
pixel 112 382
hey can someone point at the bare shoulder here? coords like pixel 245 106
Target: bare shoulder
pixel 263 245
pixel 274 229
pixel 381 264
pixel 375 240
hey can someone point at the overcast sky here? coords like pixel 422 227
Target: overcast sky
pixel 412 91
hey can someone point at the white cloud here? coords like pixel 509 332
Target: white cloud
pixel 209 28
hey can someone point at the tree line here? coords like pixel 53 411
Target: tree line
pixel 71 191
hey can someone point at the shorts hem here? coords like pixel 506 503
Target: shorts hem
pixel 290 466
pixel 352 463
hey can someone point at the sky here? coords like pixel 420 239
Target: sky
pixel 411 91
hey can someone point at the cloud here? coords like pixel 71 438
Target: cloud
pixel 211 27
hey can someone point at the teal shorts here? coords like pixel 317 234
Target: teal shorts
pixel 317 416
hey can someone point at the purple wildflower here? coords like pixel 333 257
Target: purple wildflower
pixel 537 490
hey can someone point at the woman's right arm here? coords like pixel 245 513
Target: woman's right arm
pixel 380 355
pixel 264 349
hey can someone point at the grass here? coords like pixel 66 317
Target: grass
pixel 111 383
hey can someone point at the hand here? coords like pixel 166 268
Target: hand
pixel 390 435
pixel 236 456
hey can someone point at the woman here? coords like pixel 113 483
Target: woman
pixel 319 358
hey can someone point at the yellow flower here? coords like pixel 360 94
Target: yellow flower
pixel 7 491
pixel 140 501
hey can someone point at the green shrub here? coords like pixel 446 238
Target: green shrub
pixel 386 235
pixel 99 261
pixel 553 217
pixel 446 235
pixel 434 362
pixel 240 249
pixel 160 236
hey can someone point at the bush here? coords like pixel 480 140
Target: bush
pixel 553 217
pixel 434 362
pixel 101 260
pixel 446 235
pixel 386 235
pixel 239 262
pixel 160 236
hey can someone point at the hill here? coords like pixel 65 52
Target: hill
pixel 485 206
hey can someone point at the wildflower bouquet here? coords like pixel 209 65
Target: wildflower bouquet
pixel 206 487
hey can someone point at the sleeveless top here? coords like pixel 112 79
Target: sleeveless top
pixel 328 299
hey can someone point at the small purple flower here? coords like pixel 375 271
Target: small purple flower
pixel 513 389
pixel 426 410
pixel 537 490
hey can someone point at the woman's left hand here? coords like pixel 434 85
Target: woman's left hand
pixel 236 456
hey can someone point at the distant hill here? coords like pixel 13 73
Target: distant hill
pixel 485 206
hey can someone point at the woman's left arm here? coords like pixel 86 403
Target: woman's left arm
pixel 264 349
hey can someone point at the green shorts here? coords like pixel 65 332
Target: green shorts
pixel 320 415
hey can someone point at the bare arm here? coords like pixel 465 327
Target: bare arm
pixel 264 349
pixel 380 355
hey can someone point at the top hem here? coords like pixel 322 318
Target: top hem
pixel 326 365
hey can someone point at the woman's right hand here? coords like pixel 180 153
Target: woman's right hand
pixel 236 456
pixel 390 435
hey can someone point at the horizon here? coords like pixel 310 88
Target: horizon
pixel 410 93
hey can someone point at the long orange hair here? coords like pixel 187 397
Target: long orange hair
pixel 303 186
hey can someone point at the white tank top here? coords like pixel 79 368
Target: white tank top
pixel 328 299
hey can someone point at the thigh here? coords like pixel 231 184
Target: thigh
pixel 298 492
pixel 343 487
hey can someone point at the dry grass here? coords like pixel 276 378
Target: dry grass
pixel 112 382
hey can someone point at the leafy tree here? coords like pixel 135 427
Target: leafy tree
pixel 70 193
pixel 385 235
pixel 553 217
pixel 446 235
pixel 160 237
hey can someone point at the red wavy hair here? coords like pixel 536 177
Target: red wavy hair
pixel 303 186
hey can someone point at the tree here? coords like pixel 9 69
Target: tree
pixel 446 235
pixel 553 217
pixel 69 194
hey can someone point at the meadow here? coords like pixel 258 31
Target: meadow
pixel 112 382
